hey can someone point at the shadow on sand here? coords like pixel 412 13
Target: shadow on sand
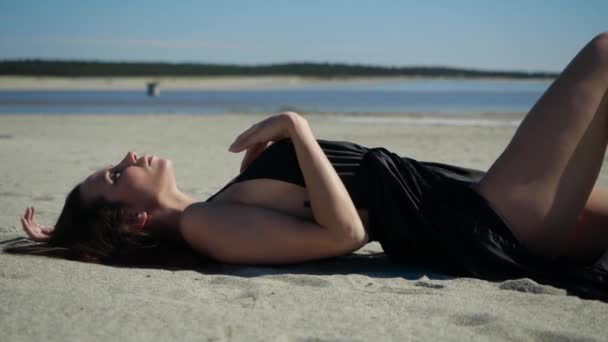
pixel 364 262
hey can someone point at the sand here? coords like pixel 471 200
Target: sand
pixel 173 83
pixel 209 83
pixel 360 297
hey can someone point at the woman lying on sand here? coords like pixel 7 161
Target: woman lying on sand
pixel 535 212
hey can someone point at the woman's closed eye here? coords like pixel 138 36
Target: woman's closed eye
pixel 114 175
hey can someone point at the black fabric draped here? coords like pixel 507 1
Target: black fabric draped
pixel 429 214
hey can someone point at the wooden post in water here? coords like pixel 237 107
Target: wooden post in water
pixel 153 89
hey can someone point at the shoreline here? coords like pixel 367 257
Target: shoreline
pixel 486 119
pixel 15 83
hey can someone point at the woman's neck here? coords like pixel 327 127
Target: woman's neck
pixel 165 219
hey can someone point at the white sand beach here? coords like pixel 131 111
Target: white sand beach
pixel 208 83
pixel 361 297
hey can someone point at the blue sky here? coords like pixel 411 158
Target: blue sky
pixel 490 34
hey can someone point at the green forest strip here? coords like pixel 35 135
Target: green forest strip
pixel 320 70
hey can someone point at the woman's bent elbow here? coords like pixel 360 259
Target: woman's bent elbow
pixel 355 236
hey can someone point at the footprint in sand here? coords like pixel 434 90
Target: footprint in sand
pixel 178 294
pixel 429 285
pixel 421 287
pixel 44 198
pixel 471 320
pixel 14 275
pixel 407 290
pixel 313 338
pixel 10 194
pixel 301 280
pixel 297 280
pixel 548 335
pixel 229 281
pixel 247 298
pixel 529 286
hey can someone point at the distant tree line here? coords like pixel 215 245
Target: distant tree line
pixel 322 70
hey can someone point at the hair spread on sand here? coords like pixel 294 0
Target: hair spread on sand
pixel 96 233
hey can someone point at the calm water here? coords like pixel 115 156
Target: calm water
pixel 443 96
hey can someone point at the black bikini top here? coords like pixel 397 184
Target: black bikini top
pixel 279 162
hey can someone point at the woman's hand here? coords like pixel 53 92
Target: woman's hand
pixel 35 231
pixel 260 135
pixel 252 153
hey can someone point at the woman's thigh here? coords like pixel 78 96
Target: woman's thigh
pixel 588 238
pixel 543 179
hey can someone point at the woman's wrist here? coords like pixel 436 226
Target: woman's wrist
pixel 330 202
pixel 294 123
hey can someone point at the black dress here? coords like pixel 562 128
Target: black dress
pixel 429 214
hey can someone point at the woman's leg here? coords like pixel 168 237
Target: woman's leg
pixel 588 239
pixel 543 179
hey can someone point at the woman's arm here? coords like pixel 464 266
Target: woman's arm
pixel 244 234
pixel 330 202
pixel 237 233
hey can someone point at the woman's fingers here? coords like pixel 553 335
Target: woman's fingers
pixel 46 231
pixel 252 153
pixel 30 215
pixel 26 228
pixel 35 231
pixel 248 156
pixel 243 140
pixel 32 232
pixel 271 129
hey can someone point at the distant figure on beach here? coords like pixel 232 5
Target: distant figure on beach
pixel 153 89
pixel 536 212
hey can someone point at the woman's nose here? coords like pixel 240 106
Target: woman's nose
pixel 132 157
pixel 129 159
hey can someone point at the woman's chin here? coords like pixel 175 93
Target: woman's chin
pixel 163 164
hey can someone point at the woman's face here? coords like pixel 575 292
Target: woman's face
pixel 138 183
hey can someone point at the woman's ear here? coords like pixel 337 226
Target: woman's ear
pixel 137 220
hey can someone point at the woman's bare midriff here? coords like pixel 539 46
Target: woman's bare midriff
pixel 273 194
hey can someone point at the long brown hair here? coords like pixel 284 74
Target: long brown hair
pixel 96 232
